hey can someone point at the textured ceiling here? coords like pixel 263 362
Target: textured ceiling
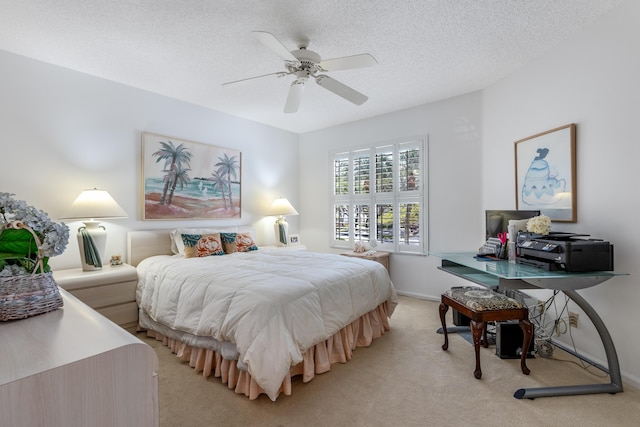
pixel 426 50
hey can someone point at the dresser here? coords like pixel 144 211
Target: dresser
pixel 111 291
pixel 72 367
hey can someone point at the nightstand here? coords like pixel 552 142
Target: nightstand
pixel 381 257
pixel 110 291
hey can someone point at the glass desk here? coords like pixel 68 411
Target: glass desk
pixel 503 274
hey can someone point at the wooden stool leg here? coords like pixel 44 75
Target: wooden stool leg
pixel 443 311
pixel 477 329
pixel 485 340
pixel 527 331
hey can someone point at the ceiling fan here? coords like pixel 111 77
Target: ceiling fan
pixel 305 64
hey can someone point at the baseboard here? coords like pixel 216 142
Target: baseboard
pixel 418 296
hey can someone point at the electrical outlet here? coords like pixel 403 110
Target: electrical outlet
pixel 573 319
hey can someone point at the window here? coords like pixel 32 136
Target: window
pixel 379 193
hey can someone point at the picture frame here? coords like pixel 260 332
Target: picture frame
pixel 184 179
pixel 294 239
pixel 545 172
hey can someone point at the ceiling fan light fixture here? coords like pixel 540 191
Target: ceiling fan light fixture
pixel 305 63
pixel 295 95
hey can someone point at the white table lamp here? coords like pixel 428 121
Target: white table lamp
pixel 281 208
pixel 90 207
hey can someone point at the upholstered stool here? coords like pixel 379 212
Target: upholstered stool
pixel 481 306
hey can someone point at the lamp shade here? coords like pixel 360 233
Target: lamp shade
pixel 94 204
pixel 282 207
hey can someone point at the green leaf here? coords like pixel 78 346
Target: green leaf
pixel 17 243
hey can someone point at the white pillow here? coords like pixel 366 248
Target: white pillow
pixel 177 245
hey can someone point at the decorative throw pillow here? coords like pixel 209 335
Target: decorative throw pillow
pixel 229 242
pixel 201 245
pixel 177 244
pixel 245 243
pixel 238 242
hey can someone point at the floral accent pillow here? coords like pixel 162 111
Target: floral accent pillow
pixel 238 242
pixel 201 245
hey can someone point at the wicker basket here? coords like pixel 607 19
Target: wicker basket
pixel 30 294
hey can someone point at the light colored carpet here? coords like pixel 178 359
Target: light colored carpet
pixel 402 379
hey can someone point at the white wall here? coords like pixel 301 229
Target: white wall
pixel 64 131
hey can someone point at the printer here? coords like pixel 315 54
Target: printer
pixel 564 251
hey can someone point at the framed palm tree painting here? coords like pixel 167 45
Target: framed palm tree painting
pixel 189 180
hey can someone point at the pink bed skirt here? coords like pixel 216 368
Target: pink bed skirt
pixel 317 360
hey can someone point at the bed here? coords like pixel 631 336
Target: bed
pixel 256 317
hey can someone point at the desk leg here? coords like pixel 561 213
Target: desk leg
pixel 615 386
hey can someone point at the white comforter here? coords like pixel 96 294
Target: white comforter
pixel 272 304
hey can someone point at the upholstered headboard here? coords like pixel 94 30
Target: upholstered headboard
pixel 145 243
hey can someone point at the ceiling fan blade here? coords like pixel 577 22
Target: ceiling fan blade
pixel 295 96
pixel 341 89
pixel 348 62
pixel 241 81
pixel 270 41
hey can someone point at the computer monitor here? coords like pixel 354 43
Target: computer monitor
pixel 497 221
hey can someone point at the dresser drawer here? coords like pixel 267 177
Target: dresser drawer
pixel 110 291
pixel 74 279
pixel 122 314
pixel 105 295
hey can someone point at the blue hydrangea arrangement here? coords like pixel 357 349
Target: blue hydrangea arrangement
pixel 19 251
